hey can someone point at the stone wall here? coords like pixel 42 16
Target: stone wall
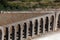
pixel 31 27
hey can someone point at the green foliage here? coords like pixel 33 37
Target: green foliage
pixel 26 4
pixel 57 1
pixel 3 2
pixel 1 7
pixel 30 0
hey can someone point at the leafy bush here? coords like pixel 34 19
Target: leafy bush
pixel 29 5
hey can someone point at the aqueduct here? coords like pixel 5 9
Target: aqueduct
pixel 28 26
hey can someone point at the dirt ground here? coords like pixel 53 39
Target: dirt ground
pixel 12 18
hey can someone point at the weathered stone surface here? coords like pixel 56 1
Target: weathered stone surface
pixel 24 26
